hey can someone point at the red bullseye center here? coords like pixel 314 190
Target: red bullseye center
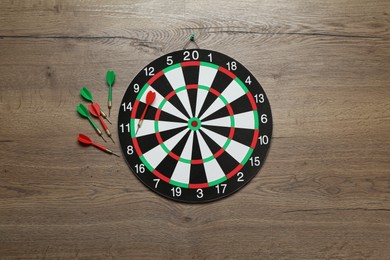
pixel 194 124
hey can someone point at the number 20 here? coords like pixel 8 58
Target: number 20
pixel 194 55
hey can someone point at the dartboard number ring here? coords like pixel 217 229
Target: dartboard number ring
pixel 195 125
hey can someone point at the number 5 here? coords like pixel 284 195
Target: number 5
pixel 169 60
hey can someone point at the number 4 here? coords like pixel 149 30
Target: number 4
pixel 248 80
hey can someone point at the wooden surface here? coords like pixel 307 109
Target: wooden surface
pixel 323 193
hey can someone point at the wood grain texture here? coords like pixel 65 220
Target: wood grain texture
pixel 323 193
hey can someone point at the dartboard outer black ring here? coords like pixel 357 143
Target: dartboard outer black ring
pixel 207 132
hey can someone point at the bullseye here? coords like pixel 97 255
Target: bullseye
pixel 194 124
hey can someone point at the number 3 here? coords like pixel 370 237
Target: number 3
pixel 199 194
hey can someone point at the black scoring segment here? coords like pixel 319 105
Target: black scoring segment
pixel 147 142
pixel 178 149
pixel 227 162
pixel 241 105
pixel 162 86
pixel 198 173
pixel 221 81
pixel 165 135
pixel 196 154
pixel 222 112
pixel 167 166
pixel 192 94
pixel 150 113
pixel 210 98
pixel 243 136
pixel 164 116
pixel 191 74
pixel 224 131
pixel 175 101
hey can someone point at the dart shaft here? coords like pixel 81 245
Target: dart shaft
pixel 140 123
pixel 103 124
pixel 110 97
pixel 94 125
pixel 99 146
pixel 96 128
pixel 144 113
pixel 109 135
pixel 103 114
pixel 104 149
pixel 111 152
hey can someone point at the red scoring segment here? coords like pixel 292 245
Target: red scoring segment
pixel 227 72
pixel 190 63
pixel 153 79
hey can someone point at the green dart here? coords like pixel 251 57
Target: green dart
pixel 110 78
pixel 83 111
pixel 86 94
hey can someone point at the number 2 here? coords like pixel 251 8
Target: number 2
pixel 240 177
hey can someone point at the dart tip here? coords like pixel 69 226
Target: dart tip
pixel 109 112
pixel 108 120
pixel 115 154
pixel 112 140
pixel 103 139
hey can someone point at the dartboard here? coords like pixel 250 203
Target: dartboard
pixel 195 125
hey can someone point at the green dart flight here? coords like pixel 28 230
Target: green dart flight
pixel 110 78
pixel 83 111
pixel 87 95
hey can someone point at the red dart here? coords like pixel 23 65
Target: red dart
pixel 87 141
pixel 149 100
pixel 94 109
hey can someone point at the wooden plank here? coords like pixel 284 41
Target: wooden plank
pixel 121 18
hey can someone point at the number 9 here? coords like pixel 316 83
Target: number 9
pixel 136 88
